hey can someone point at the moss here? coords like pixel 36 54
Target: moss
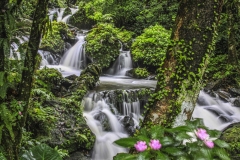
pixel 102 44
pixel 139 73
pixel 53 40
pixel 231 136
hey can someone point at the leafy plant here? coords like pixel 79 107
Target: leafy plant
pixel 150 47
pixel 192 141
pixel 102 44
pixel 41 151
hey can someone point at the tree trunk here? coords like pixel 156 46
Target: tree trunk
pixel 11 146
pixel 232 11
pixel 3 33
pixel 179 78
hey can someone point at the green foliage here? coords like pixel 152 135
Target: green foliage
pixel 41 151
pixel 219 68
pixel 9 115
pixel 150 47
pixel 180 142
pixel 102 44
pixel 47 78
pixel 59 32
pixel 2 157
pixel 230 135
pixel 140 73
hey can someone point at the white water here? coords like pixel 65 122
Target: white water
pixel 122 64
pixel 104 149
pixel 60 12
pixel 75 57
pixel 215 113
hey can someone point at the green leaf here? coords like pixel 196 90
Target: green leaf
pixel 157 132
pixel 221 143
pixel 173 151
pixel 2 157
pixel 165 141
pixel 221 153
pixel 126 142
pixel 144 155
pixel 124 156
pixel 41 152
pixel 162 156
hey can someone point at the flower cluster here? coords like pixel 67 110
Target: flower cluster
pixel 202 135
pixel 142 146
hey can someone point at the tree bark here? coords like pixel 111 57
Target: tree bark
pixel 232 11
pixel 11 146
pixel 3 33
pixel 179 78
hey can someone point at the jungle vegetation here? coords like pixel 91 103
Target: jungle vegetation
pixel 185 43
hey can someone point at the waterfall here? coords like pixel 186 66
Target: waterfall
pixel 122 64
pixel 47 58
pixel 106 119
pixel 216 114
pixel 60 12
pixel 75 57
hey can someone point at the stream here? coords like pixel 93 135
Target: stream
pixel 107 118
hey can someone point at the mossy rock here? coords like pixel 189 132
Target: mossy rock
pixel 138 73
pixel 231 136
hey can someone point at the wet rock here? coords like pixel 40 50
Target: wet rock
pixel 236 102
pixel 234 91
pixel 224 95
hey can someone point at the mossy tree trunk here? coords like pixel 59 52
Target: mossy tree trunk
pixel 233 27
pixel 179 78
pixel 11 138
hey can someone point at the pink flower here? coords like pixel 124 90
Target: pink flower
pixel 20 113
pixel 202 134
pixel 140 146
pixel 155 144
pixel 209 143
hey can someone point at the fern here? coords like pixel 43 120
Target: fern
pixel 44 93
pixel 7 120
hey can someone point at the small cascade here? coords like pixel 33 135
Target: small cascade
pixel 60 12
pixel 111 119
pixel 47 58
pixel 51 13
pixel 14 54
pixel 215 113
pixel 122 64
pixel 75 57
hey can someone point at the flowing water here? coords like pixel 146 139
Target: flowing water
pixel 106 117
pixel 75 57
pixel 215 113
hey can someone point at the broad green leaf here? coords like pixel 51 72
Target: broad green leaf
pixel 143 156
pixel 221 153
pixel 205 152
pixel 125 156
pixel 41 152
pixel 126 142
pixel 182 136
pixel 221 143
pixel 2 157
pixel 173 151
pixel 165 141
pixel 162 156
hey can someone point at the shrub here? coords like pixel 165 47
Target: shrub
pixel 150 47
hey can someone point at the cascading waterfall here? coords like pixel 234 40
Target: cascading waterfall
pixel 215 113
pixel 107 123
pixel 122 64
pixel 14 54
pixel 67 17
pixel 75 57
pixel 60 12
